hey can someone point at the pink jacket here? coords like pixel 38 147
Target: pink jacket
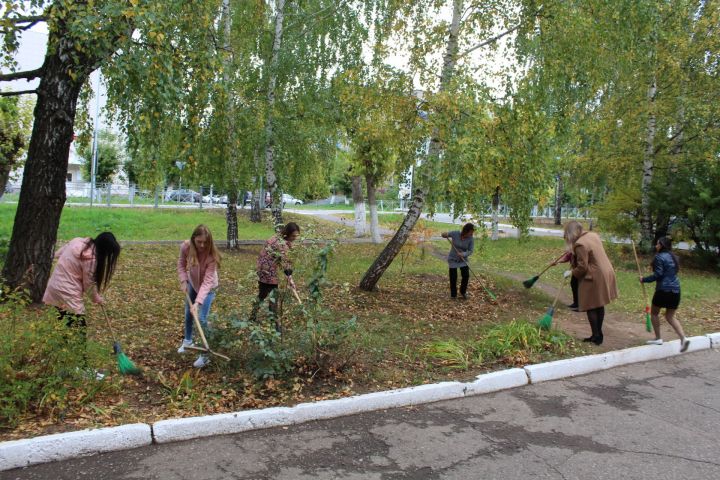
pixel 72 277
pixel 203 276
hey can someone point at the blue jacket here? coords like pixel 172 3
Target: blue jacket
pixel 665 273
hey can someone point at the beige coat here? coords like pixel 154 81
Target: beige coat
pixel 597 286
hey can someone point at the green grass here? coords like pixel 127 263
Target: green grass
pixel 140 223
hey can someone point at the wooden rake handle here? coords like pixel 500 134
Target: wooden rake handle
pixel 637 262
pixel 198 326
pixel 551 264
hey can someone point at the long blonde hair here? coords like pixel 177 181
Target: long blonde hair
pixel 211 248
pixel 573 230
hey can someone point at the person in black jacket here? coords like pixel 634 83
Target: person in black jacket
pixel 667 291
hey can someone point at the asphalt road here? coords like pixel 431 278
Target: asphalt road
pixel 656 420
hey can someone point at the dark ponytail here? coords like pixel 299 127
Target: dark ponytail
pixel 107 251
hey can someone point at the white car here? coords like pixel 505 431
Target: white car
pixel 288 199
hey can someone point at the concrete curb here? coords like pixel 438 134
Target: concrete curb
pixel 62 446
pixel 20 453
pixel 572 367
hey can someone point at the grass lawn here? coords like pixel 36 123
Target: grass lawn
pixel 407 333
pixel 149 224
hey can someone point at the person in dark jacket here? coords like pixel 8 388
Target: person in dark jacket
pixel 667 291
pixel 462 247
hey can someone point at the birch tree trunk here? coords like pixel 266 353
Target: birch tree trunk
pixel 646 223
pixel 231 211
pixel 270 176
pixel 495 208
pixel 372 201
pixel 383 261
pixel 359 202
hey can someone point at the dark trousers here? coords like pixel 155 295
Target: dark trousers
pixel 574 286
pixel 267 290
pixel 465 274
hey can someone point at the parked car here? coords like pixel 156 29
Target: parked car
pixel 288 199
pixel 183 195
pixel 215 199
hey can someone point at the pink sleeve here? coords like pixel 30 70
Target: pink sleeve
pixel 209 281
pixel 88 280
pixel 182 262
pixel 60 251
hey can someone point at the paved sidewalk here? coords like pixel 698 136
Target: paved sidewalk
pixel 654 420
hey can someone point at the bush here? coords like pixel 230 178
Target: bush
pixel 515 343
pixel 39 364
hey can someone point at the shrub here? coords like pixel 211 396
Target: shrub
pixel 40 364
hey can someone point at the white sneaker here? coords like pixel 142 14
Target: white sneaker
pixel 184 344
pixel 99 376
pixel 201 361
pixel 654 342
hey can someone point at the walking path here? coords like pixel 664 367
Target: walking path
pixel 650 420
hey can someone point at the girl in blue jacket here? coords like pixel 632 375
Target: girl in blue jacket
pixel 667 291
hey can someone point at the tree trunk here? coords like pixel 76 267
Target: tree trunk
pixel 372 201
pixel 558 200
pixel 255 211
pixel 231 219
pixel 383 261
pixel 646 223
pixel 270 176
pixel 4 176
pixel 231 211
pixel 30 254
pixel 495 208
pixel 359 202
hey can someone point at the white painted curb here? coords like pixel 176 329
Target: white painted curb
pixel 186 428
pixel 62 446
pixel 496 381
pixel 582 365
pixel 714 340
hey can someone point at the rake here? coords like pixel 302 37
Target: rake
pixel 545 322
pixel 531 281
pixel 648 323
pixel 198 327
pixel 125 365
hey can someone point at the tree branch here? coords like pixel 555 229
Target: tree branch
pixel 30 22
pixel 498 36
pixel 18 92
pixel 27 75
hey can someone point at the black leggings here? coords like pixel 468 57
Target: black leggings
pixel 596 317
pixel 465 273
pixel 574 286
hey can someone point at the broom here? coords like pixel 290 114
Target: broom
pixel 531 281
pixel 490 294
pixel 125 365
pixel 545 322
pixel 648 323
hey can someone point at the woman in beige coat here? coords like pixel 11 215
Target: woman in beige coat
pixel 591 266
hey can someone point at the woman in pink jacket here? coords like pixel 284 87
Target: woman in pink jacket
pixel 197 270
pixel 85 265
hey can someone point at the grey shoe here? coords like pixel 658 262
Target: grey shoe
pixel 201 361
pixel 184 344
pixel 684 345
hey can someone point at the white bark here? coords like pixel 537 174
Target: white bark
pixel 359 202
pixel 646 224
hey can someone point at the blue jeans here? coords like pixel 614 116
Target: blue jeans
pixel 203 311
